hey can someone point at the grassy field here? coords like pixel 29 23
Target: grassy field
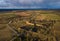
pixel 21 21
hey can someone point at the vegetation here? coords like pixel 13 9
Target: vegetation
pixel 38 26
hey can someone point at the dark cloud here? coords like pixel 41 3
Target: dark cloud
pixel 30 3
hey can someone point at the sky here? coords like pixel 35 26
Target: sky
pixel 30 4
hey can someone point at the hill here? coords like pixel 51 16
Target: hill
pixel 18 19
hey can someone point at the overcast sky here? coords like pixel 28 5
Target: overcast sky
pixel 30 4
